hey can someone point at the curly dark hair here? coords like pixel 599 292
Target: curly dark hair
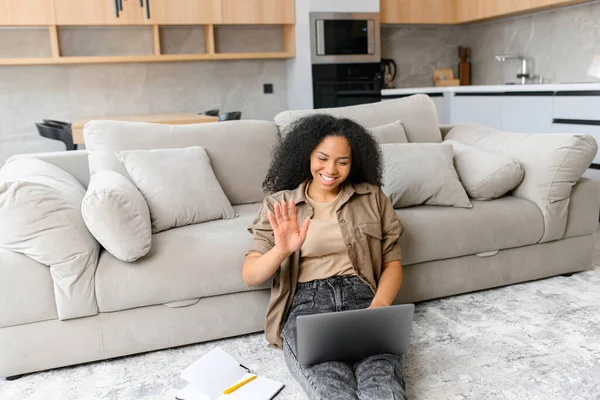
pixel 290 164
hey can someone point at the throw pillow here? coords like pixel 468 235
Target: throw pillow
pixel 421 173
pixel 485 175
pixel 116 213
pixel 390 133
pixel 40 217
pixel 179 186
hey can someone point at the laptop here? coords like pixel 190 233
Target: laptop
pixel 354 335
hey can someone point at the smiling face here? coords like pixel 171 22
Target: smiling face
pixel 330 164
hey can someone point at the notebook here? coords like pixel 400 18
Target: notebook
pixel 216 371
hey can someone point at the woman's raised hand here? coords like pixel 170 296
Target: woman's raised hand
pixel 289 236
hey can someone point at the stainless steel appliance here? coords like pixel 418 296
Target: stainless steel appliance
pixel 337 38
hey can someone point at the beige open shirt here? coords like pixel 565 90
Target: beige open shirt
pixel 370 229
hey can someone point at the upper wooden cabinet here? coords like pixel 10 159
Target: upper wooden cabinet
pixel 26 12
pixel 459 11
pixel 475 10
pixel 394 11
pixel 97 12
pixel 182 12
pixel 258 11
pixel 432 12
pixel 417 11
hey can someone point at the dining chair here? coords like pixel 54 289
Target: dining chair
pixel 230 116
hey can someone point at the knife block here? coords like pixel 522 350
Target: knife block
pixel 464 73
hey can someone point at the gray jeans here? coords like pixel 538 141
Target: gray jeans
pixel 378 377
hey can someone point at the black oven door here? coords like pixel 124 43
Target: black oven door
pixel 340 85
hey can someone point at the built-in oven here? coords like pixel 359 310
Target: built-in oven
pixel 345 38
pixel 340 85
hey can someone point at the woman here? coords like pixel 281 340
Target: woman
pixel 328 237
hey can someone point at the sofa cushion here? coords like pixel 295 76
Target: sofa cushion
pixel 117 215
pixel 553 164
pixel 390 133
pixel 179 186
pixel 184 263
pixel 40 217
pixel 485 175
pixel 436 233
pixel 26 290
pixel 239 151
pixel 417 113
pixel 421 173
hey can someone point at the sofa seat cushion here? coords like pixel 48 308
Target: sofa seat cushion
pixel 26 290
pixel 184 263
pixel 436 233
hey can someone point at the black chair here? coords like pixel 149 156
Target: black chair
pixel 212 113
pixel 56 132
pixel 230 116
pixel 55 122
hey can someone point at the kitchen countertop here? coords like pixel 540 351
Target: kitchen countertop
pixel 550 87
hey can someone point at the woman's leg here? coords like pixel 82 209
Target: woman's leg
pixel 328 380
pixel 380 377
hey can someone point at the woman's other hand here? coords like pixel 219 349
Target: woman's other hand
pixel 289 236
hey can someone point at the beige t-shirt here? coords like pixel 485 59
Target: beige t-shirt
pixel 323 254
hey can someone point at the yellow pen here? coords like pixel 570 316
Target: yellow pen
pixel 238 385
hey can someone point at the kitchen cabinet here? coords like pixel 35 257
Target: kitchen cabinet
pixel 97 12
pixel 526 114
pixel 432 12
pixel 394 11
pixel 483 110
pixel 182 12
pixel 474 10
pixel 459 11
pixel 26 12
pixel 258 12
pixel 417 11
pixel 510 113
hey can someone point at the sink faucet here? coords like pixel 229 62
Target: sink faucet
pixel 524 74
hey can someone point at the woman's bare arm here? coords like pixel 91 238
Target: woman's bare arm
pixel 258 268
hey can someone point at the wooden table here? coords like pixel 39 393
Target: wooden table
pixel 173 119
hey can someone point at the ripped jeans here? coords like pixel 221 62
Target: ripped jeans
pixel 378 377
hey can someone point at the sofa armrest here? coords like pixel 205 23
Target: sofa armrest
pixel 584 208
pixel 40 217
pixel 553 164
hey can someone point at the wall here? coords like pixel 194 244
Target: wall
pixel 418 50
pixel 67 92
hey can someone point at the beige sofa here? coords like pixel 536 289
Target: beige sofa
pixel 189 289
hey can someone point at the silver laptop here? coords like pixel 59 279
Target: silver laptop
pixel 354 335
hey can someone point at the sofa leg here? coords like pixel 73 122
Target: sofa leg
pixel 14 377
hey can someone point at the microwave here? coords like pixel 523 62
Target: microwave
pixel 338 38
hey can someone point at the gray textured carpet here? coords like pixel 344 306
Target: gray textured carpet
pixel 538 340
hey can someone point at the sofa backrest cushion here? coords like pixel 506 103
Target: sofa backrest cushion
pixel 417 114
pixel 239 151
